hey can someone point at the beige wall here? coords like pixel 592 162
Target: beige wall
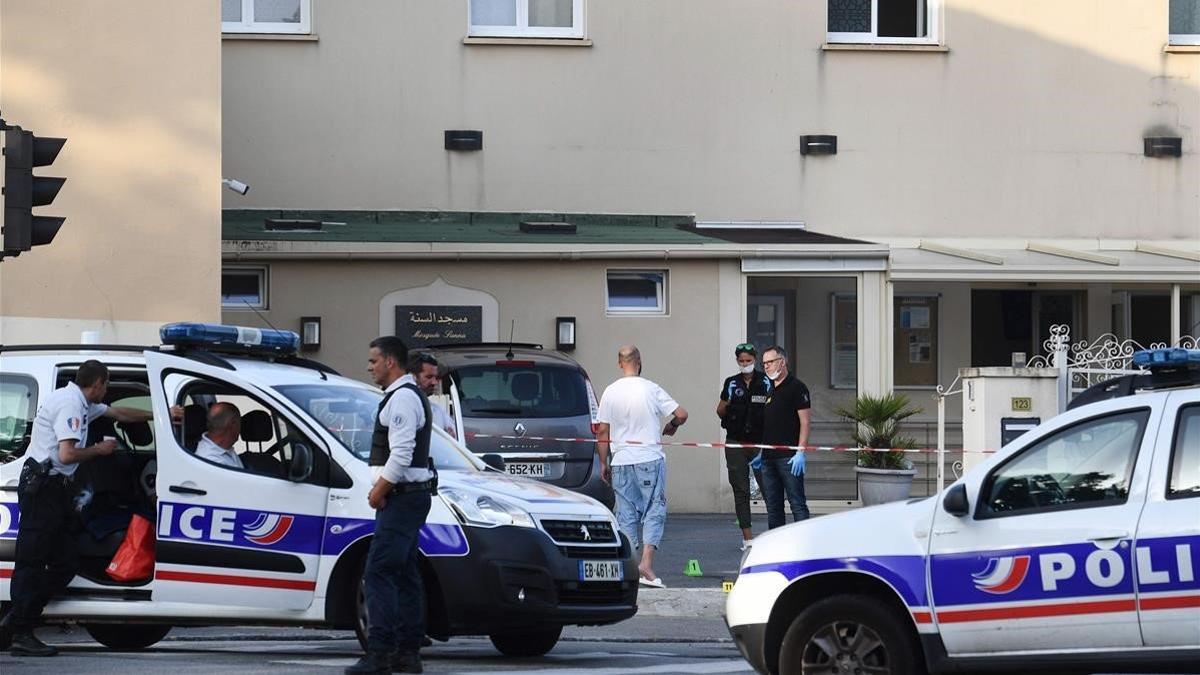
pixel 680 351
pixel 1030 125
pixel 135 87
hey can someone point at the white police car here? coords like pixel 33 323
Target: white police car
pixel 1077 545
pixel 282 541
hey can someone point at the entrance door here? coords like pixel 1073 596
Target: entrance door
pixel 229 536
pixel 766 323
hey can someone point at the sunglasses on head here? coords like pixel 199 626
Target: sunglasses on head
pixel 745 347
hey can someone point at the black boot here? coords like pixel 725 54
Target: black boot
pixel 407 661
pixel 372 663
pixel 25 643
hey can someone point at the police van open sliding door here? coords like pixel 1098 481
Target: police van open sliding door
pixel 248 536
pixel 1044 559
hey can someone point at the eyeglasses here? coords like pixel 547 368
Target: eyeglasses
pixel 769 362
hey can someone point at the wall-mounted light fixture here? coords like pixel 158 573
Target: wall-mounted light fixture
pixel 564 331
pixel 464 139
pixel 821 144
pixel 310 333
pixel 1162 146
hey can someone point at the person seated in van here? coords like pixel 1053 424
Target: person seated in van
pixel 224 427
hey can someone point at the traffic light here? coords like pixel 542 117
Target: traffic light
pixel 22 190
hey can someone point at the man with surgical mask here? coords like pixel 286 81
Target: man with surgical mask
pixel 743 398
pixel 786 421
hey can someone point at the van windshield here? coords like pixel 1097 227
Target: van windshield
pixel 521 390
pixel 348 413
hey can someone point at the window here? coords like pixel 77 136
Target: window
pixel 525 391
pixel 244 288
pixel 1185 22
pixel 526 18
pixel 266 16
pixel 637 292
pixel 915 341
pixel 1083 466
pixel 883 21
pixel 1185 458
pixel 18 405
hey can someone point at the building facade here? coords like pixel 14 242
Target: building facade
pixel 892 196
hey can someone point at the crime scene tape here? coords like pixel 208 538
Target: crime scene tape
pixel 748 446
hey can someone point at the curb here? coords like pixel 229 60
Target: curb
pixel 690 602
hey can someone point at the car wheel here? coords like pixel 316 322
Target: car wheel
pixel 127 636
pixel 851 635
pixel 528 643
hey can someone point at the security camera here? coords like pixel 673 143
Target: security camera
pixel 235 185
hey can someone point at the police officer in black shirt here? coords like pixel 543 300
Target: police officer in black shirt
pixel 743 397
pixel 786 421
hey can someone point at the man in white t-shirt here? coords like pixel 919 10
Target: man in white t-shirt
pixel 629 439
pixel 224 428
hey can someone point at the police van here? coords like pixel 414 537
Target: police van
pixel 283 540
pixel 1075 546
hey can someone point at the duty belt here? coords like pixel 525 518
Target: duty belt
pixel 424 486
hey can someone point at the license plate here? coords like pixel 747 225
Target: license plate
pixel 530 469
pixel 601 570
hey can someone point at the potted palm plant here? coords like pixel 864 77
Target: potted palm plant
pixel 882 476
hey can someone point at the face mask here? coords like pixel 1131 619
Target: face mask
pixel 746 370
pixel 774 374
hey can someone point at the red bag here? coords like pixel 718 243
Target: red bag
pixel 135 559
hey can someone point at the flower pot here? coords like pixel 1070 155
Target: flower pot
pixel 879 486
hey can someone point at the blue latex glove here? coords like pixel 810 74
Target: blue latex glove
pixel 757 462
pixel 797 464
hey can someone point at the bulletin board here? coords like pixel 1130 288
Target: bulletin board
pixel 843 343
pixel 915 341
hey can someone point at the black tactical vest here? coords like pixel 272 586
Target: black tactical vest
pixel 380 450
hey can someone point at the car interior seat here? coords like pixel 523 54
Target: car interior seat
pixel 526 387
pixel 195 423
pixel 258 428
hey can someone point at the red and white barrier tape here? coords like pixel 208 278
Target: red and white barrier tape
pixel 749 446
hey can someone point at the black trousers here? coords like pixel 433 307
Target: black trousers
pixel 46 556
pixel 737 462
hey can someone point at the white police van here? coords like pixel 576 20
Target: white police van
pixel 282 542
pixel 1077 545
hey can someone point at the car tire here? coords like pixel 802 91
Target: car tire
pixel 127 636
pixel 528 643
pixel 862 634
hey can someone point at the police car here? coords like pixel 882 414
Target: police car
pixel 1077 545
pixel 283 541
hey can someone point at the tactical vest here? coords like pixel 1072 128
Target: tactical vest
pixel 380 450
pixel 743 415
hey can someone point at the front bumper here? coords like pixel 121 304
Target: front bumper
pixel 529 582
pixel 749 639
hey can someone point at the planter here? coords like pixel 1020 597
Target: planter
pixel 879 486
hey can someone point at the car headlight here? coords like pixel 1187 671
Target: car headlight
pixel 484 510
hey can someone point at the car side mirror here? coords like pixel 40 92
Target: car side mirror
pixel 301 465
pixel 493 460
pixel 955 502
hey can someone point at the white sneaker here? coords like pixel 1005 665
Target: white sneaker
pixel 745 545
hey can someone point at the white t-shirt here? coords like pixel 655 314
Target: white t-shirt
pixel 635 409
pixel 215 453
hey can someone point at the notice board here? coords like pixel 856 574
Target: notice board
pixel 424 325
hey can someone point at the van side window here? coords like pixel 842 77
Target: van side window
pixel 18 405
pixel 1086 465
pixel 1184 480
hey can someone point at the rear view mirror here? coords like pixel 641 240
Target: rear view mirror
pixel 493 460
pixel 955 502
pixel 301 466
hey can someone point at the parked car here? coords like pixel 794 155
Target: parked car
pixel 283 541
pixel 1076 546
pixel 514 400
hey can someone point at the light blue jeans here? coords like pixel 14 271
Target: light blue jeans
pixel 641 501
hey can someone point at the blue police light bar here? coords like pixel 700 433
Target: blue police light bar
pixel 1171 357
pixel 219 337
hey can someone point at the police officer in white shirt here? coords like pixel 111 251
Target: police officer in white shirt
pixel 401 495
pixel 224 427
pixel 46 557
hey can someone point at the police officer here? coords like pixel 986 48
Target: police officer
pixel 46 557
pixel 743 397
pixel 401 494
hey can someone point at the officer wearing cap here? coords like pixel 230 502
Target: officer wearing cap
pixel 743 397
pixel 401 494
pixel 46 557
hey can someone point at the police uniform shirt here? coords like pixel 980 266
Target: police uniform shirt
pixel 209 450
pixel 741 399
pixel 403 416
pixel 64 416
pixel 781 421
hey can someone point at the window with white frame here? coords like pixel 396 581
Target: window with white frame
pixel 883 21
pixel 526 18
pixel 1185 22
pixel 266 16
pixel 636 292
pixel 244 288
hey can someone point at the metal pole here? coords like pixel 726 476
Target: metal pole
pixel 941 441
pixel 1064 377
pixel 1176 324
